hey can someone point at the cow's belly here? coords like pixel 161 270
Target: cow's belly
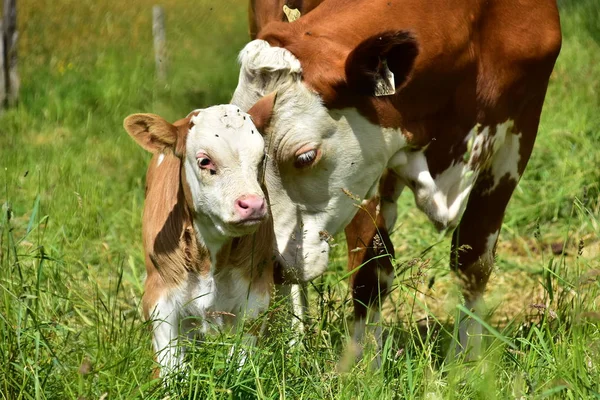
pixel 443 198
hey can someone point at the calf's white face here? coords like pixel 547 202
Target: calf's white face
pixel 222 153
pixel 223 156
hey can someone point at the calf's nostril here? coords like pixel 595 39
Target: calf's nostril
pixel 242 204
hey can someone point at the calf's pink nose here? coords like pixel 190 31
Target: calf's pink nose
pixel 250 206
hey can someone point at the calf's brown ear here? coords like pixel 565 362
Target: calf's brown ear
pixel 151 132
pixel 381 64
pixel 262 111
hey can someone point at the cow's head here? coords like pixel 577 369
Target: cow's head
pixel 321 149
pixel 222 153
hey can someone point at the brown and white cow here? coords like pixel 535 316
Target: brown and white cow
pixel 441 97
pixel 208 236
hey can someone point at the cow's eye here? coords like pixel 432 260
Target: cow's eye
pixel 305 159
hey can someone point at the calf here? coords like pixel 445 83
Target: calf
pixel 207 233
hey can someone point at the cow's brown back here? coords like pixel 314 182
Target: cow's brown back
pixel 478 62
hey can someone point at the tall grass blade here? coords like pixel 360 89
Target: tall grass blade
pixel 34 213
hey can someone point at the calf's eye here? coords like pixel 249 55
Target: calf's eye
pixel 206 163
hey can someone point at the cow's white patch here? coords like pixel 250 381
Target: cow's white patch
pixel 240 302
pixel 506 159
pixel 160 159
pixel 194 308
pixel 444 198
pixel 398 160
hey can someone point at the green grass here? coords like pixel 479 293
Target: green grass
pixel 71 265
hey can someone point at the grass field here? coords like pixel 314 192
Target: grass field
pixel 71 265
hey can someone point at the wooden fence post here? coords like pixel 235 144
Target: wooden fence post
pixel 10 76
pixel 3 80
pixel 160 43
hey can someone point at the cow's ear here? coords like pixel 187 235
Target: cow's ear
pixel 151 132
pixel 262 111
pixel 381 64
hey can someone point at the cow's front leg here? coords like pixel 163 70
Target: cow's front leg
pixel 370 255
pixel 474 240
pixel 472 257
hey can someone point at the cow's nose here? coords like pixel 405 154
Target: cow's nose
pixel 250 206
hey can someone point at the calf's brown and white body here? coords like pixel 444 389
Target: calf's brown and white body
pixel 207 233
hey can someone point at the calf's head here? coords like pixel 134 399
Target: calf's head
pixel 222 153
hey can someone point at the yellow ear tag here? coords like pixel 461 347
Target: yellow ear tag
pixel 292 14
pixel 384 85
